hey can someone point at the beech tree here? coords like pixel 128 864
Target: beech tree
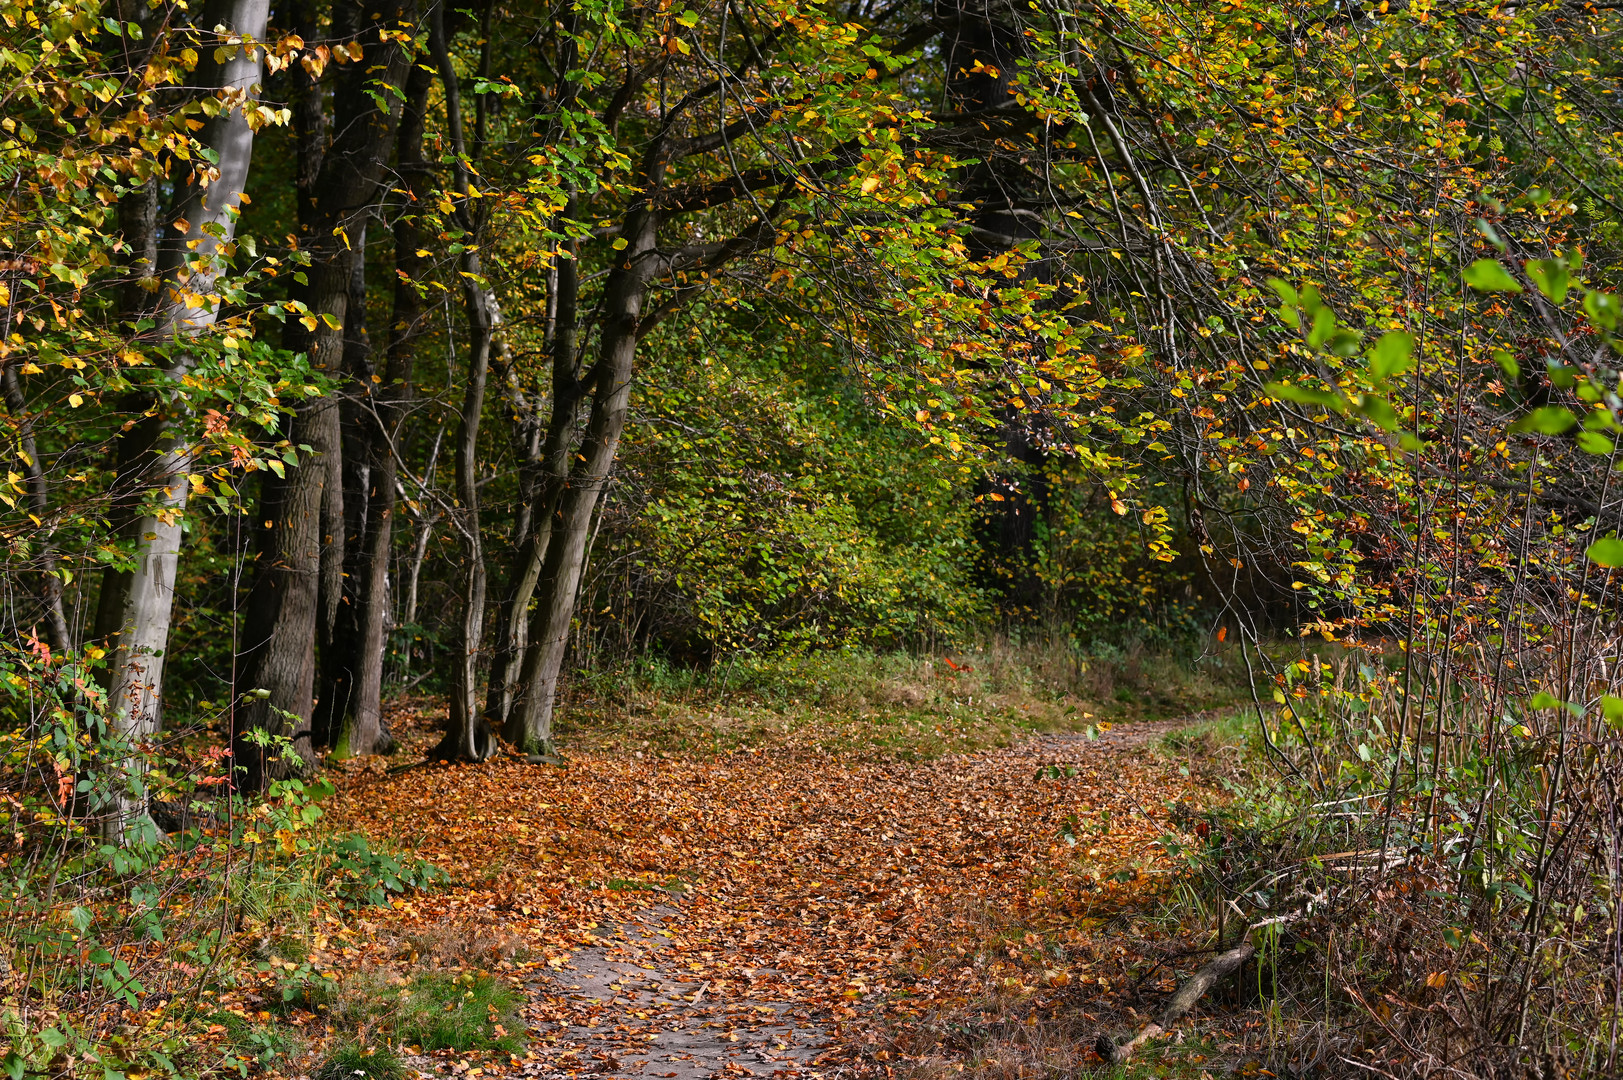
pixel 300 546
pixel 154 462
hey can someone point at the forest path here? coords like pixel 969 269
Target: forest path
pixel 755 914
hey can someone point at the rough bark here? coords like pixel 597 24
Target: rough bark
pixel 284 601
pixel 570 526
pixel 136 605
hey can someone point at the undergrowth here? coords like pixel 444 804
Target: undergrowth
pixel 149 910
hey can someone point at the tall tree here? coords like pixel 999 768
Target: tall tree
pixel 350 714
pixel 732 135
pixel 468 734
pixel 283 609
pixel 136 604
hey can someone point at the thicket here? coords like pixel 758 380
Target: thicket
pixel 357 348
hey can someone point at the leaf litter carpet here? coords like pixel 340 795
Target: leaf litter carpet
pixel 776 916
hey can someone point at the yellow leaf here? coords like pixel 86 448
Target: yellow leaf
pixel 75 400
pixel 870 185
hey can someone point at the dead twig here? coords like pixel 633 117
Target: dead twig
pixel 1189 994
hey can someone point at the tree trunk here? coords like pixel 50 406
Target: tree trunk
pixel 284 601
pixel 338 636
pixel 570 528
pixel 137 604
pixel 468 735
pixel 352 706
pixel 48 588
pixel 512 626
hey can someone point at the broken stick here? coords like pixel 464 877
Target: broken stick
pixel 1186 996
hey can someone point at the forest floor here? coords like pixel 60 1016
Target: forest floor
pixel 788 910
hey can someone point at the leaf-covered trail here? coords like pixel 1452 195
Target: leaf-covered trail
pixel 798 898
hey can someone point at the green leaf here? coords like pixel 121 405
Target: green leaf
pixel 1292 392
pixel 1379 411
pixel 1392 355
pixel 1345 342
pixel 1324 321
pixel 1287 295
pixel 1603 308
pixel 1487 275
pixel 1593 442
pixel 1507 364
pixel 1612 708
pixel 1549 420
pixel 1607 551
pixel 1551 277
pixel 1310 298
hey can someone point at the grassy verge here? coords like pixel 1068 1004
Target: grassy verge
pixel 890 705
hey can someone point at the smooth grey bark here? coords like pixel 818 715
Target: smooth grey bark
pixel 468 735
pixel 513 617
pixel 137 605
pixel 284 604
pixel 570 525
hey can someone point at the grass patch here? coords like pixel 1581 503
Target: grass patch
pixel 351 1061
pixel 464 1013
pixel 890 706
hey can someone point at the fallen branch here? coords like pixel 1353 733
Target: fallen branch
pixel 1188 995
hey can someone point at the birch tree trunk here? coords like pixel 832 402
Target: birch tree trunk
pixel 137 604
